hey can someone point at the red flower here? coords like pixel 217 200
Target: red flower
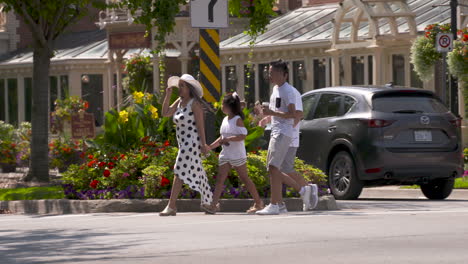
pixel 465 37
pixel 106 173
pixel 82 155
pixel 102 164
pixel 122 156
pixel 428 34
pixel 111 165
pixel 94 184
pixel 90 157
pixel 164 181
pixel 91 163
pixel 166 144
pixel 144 157
pixel 115 158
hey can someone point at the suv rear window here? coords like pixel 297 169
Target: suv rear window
pixel 416 103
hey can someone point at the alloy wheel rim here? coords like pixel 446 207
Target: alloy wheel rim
pixel 341 176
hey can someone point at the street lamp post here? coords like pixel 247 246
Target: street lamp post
pixel 453 80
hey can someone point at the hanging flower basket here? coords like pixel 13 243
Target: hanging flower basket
pixel 424 54
pixel 457 61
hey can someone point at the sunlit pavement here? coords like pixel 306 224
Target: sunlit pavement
pixel 364 231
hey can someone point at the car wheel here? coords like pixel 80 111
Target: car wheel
pixel 438 189
pixel 343 180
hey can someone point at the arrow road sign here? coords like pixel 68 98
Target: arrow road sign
pixel 209 13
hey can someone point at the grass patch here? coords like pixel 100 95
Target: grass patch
pixel 32 193
pixel 460 183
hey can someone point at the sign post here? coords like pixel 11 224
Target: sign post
pixel 444 44
pixel 210 16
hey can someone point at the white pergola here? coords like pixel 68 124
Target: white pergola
pixel 369 24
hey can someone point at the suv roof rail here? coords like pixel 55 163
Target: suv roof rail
pixel 389 85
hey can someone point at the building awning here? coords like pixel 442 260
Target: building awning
pixel 89 45
pixel 315 25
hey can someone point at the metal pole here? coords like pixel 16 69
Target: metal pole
pixel 453 80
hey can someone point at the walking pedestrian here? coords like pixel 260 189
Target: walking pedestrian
pixel 282 109
pixel 233 154
pixel 187 112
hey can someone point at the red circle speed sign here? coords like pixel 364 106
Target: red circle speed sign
pixel 445 41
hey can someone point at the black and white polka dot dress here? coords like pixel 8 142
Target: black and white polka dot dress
pixel 188 166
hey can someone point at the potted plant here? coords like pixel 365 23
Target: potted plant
pixel 63 153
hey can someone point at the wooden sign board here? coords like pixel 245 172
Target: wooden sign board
pixel 83 126
pixel 129 40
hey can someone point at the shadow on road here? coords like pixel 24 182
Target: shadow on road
pixel 58 246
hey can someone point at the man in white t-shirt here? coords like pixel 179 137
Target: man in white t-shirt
pixel 282 109
pixel 288 163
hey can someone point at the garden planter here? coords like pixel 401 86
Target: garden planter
pixel 7 168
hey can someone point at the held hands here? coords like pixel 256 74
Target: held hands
pixel 205 149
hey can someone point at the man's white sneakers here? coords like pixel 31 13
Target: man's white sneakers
pixel 314 199
pixel 306 197
pixel 271 209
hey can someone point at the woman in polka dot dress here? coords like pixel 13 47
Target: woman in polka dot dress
pixel 187 112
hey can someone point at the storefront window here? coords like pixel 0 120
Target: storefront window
pixel 249 81
pixel 231 79
pixel 357 70
pixel 398 69
pixel 320 73
pixel 53 92
pixel 28 99
pixel 264 82
pixel 92 91
pixel 2 100
pixel 416 82
pixel 299 75
pixel 64 90
pixel 13 101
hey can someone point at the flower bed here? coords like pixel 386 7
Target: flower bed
pixel 146 172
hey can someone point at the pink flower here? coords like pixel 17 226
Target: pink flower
pixel 125 175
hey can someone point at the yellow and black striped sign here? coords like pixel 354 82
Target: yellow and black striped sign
pixel 210 67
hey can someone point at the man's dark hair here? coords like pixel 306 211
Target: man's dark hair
pixel 280 65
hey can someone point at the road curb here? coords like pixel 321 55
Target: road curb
pixel 65 206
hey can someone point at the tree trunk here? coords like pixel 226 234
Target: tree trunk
pixel 39 166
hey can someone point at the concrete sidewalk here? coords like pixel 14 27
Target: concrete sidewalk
pixel 65 206
pixel 394 192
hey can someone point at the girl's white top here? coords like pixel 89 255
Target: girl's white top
pixel 236 149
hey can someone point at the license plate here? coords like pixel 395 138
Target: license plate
pixel 423 135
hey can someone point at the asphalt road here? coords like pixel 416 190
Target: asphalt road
pixel 364 231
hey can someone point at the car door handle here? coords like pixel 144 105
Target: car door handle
pixel 331 128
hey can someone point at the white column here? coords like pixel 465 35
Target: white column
pixel 110 83
pixel 240 79
pixel 75 83
pixel 291 72
pixel 21 99
pixel 184 60
pixel 407 70
pixel 378 67
pixel 106 89
pixel 309 70
pixel 335 69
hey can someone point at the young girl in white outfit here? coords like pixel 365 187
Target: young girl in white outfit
pixel 233 154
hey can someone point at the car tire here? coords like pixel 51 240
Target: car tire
pixel 342 177
pixel 438 189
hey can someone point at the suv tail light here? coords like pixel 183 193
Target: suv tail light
pixel 456 122
pixel 376 123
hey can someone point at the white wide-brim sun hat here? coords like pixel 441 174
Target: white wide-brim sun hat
pixel 174 82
